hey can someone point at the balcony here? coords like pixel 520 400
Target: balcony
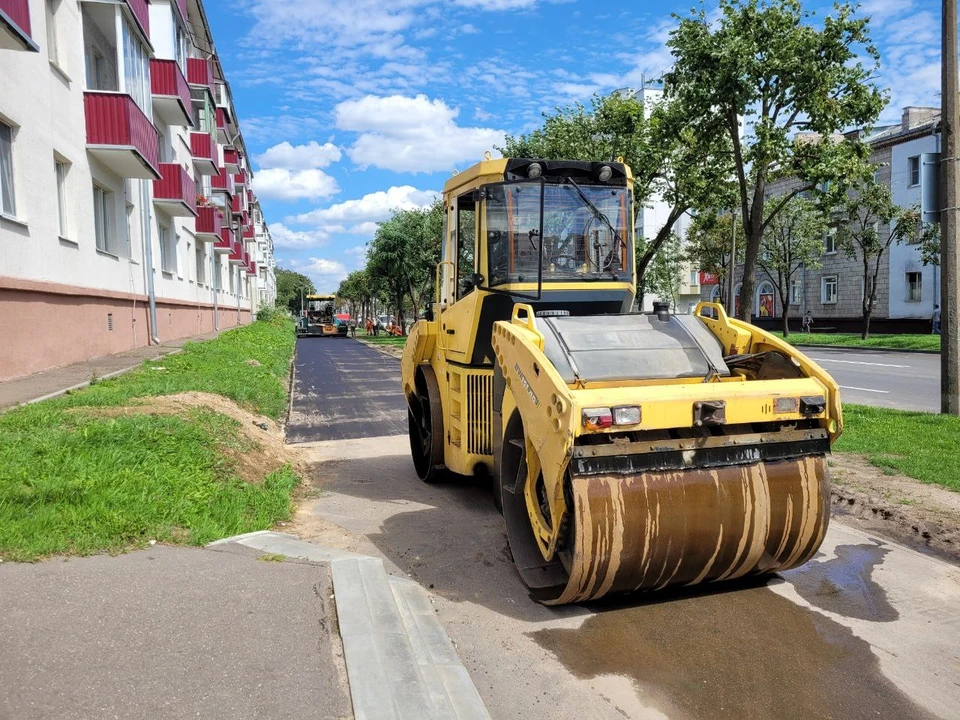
pixel 140 9
pixel 209 224
pixel 223 135
pixel 248 233
pixel 200 74
pixel 223 183
pixel 204 151
pixel 121 136
pixel 236 255
pixel 181 6
pixel 171 93
pixel 175 191
pixel 15 26
pixel 252 268
pixel 231 160
pixel 225 245
pixel 240 179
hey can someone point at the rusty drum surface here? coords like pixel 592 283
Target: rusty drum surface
pixel 647 531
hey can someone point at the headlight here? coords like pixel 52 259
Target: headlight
pixel 606 172
pixel 535 170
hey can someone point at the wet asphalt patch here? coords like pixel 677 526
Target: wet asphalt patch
pixel 342 390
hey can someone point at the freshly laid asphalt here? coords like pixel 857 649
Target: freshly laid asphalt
pixel 343 389
pixel 865 630
pixel 908 381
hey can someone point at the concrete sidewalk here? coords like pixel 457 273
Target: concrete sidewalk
pixel 170 633
pixel 55 381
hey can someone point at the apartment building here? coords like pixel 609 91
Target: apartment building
pixel 126 211
pixel 908 155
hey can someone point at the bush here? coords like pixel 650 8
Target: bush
pixel 268 313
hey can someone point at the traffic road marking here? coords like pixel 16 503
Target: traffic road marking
pixel 850 387
pixel 859 362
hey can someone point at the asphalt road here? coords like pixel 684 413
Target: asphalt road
pixel 909 381
pixel 867 629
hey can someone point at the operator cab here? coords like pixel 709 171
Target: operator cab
pixel 557 234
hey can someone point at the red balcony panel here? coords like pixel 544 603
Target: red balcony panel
pixel 250 197
pixel 252 268
pixel 175 191
pixel 236 205
pixel 204 151
pixel 240 179
pixel 121 136
pixel 15 25
pixel 223 135
pixel 141 13
pixel 171 93
pixel 225 244
pixel 182 9
pixel 236 255
pixel 209 224
pixel 248 233
pixel 223 182
pixel 231 159
pixel 200 73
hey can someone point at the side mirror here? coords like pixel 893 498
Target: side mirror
pixel 477 280
pixel 428 313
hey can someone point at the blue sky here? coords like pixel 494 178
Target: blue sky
pixel 353 107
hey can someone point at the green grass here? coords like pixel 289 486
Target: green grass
pixel 382 339
pixel 879 342
pixel 75 479
pixel 917 444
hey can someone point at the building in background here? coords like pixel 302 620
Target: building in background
pixel 124 183
pixel 908 155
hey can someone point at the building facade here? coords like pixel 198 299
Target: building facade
pixel 126 212
pixel 908 159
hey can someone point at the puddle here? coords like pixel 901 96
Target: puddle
pixel 844 585
pixel 747 653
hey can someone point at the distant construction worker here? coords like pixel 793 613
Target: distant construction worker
pixel 353 327
pixel 369 327
pixel 935 320
pixel 807 324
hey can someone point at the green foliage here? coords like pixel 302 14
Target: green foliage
pixel 403 255
pixel 918 444
pixel 793 85
pixel 270 313
pixel 290 286
pixel 75 478
pixel 708 245
pixel 665 270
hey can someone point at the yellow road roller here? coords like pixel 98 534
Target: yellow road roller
pixel 628 451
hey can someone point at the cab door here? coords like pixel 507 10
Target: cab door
pixel 459 299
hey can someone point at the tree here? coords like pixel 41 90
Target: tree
pixel 780 91
pixel 863 215
pixel 290 285
pixel 662 277
pixel 708 246
pixel 403 256
pixel 792 240
pixel 656 142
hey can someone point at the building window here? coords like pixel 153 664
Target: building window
pixel 796 292
pixel 103 228
pixel 828 290
pixel 180 43
pixel 201 268
pixel 217 273
pixel 913 168
pixel 694 278
pixel 8 205
pixel 914 287
pixel 168 251
pixel 233 276
pixel 53 45
pixel 136 70
pixel 61 168
pixel 830 241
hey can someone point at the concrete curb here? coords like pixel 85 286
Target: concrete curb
pixel 401 665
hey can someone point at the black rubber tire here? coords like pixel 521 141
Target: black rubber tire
pixel 425 426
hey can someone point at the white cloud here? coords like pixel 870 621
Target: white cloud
pixel 411 134
pixel 372 208
pixel 284 237
pixel 325 273
pixel 282 184
pixel 299 157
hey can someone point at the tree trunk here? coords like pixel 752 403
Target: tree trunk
pixel 866 324
pixel 786 319
pixel 749 280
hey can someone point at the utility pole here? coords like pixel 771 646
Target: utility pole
pixel 949 279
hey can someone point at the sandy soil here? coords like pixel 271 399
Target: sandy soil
pixel 923 516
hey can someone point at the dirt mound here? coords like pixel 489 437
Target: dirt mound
pixel 262 450
pixel 924 516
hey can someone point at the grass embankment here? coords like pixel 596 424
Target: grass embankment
pixel 78 477
pixel 917 444
pixel 875 342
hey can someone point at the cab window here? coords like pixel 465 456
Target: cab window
pixel 466 233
